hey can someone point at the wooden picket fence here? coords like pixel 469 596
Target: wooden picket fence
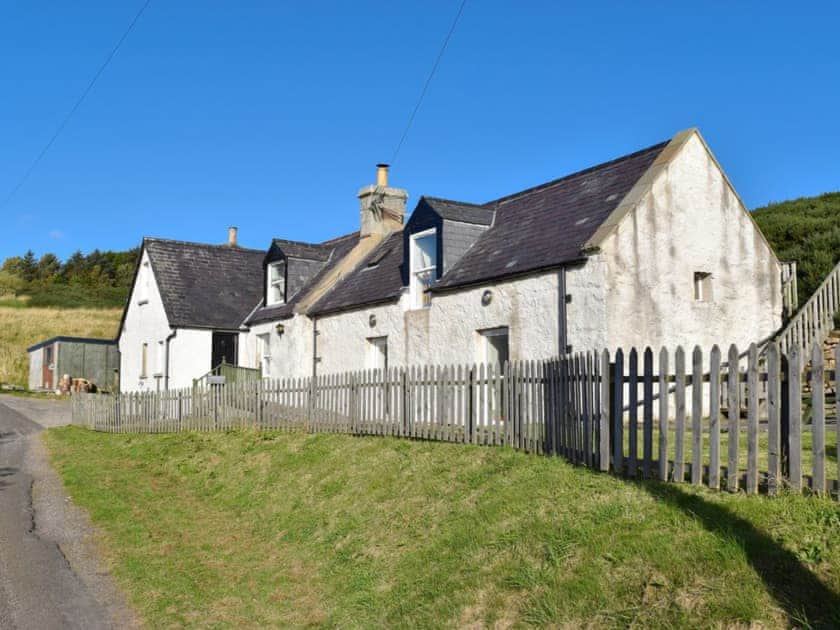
pixel 619 413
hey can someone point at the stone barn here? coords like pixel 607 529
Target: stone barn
pixel 96 360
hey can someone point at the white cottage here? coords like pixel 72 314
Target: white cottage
pixel 653 248
pixel 185 311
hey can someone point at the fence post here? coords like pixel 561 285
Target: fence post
pixel 604 420
pixel 617 413
pixel 818 419
pixel 794 437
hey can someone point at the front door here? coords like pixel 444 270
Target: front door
pixel 48 367
pixel 224 349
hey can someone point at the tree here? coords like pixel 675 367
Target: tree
pixel 28 267
pixel 10 284
pixel 48 267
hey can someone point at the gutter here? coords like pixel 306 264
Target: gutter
pixel 166 364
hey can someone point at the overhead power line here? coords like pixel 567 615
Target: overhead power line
pixel 79 101
pixel 429 80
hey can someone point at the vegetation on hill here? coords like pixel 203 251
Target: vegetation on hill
pixel 246 529
pixel 95 280
pixel 806 230
pixel 23 327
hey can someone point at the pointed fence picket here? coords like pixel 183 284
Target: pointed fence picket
pixel 586 407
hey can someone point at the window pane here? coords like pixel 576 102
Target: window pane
pixel 425 251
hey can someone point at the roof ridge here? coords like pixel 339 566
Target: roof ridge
pixel 224 246
pixel 336 239
pixel 584 171
pixel 462 203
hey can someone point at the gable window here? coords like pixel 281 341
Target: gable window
pixel 264 342
pixel 276 283
pixel 144 284
pixel 423 262
pixel 378 353
pixel 702 286
pixel 494 345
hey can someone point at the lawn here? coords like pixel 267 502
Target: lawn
pixel 254 529
pixel 21 327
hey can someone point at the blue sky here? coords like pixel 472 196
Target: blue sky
pixel 271 115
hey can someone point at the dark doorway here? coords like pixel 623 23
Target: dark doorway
pixel 224 348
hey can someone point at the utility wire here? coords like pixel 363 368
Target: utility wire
pixel 76 105
pixel 429 80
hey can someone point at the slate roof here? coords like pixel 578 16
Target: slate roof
pixel 548 225
pixel 298 249
pixel 460 211
pixel 206 286
pixel 538 228
pixel 376 279
pixel 331 251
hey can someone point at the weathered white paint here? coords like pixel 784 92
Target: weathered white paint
pixel 636 290
pixel 691 221
pixel 291 352
pixel 146 322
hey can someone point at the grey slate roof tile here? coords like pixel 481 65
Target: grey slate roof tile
pixel 547 226
pixel 331 251
pixel 205 286
pixel 376 279
pixel 460 210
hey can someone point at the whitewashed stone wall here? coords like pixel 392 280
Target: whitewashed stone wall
pixel 691 221
pixel 189 351
pixel 144 323
pixel 291 352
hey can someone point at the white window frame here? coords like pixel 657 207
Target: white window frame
pixel 270 286
pixel 264 341
pixel 419 297
pixel 374 351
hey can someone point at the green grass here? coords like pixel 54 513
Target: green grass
pixel 249 529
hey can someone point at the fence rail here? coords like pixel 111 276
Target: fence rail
pixel 698 419
pixel 812 323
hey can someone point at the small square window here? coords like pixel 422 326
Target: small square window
pixel 702 286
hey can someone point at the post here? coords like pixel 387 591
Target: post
pixel 604 420
pixel 617 413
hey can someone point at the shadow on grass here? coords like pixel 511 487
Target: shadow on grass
pixel 799 593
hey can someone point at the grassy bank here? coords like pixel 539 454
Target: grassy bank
pixel 22 327
pixel 246 529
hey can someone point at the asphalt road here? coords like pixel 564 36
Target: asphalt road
pixel 50 572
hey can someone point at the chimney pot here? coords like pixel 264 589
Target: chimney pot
pixel 232 233
pixel 382 175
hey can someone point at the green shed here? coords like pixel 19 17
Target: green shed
pixel 97 360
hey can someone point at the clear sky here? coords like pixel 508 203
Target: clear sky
pixel 271 115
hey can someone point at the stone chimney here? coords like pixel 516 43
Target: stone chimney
pixel 232 232
pixel 381 208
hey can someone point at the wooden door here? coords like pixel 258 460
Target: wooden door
pixel 48 368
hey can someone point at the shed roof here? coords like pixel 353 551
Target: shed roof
pixel 65 339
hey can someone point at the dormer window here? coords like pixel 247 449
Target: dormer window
pixel 276 283
pixel 423 261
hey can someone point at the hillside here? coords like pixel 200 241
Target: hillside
pixel 806 230
pixel 99 279
pixel 23 326
pixel 380 532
